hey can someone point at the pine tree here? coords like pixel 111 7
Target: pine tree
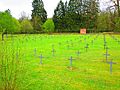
pixel 73 15
pixel 39 14
pixel 93 9
pixel 58 17
pixel 89 11
pixel 76 14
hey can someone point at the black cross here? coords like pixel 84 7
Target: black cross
pixel 111 65
pixel 53 51
pixel 41 57
pixel 106 54
pixel 71 58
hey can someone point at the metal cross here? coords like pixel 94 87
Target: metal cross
pixel 78 53
pixel 105 45
pixel 106 55
pixel 71 58
pixel 41 57
pixel 111 63
pixel 53 51
pixel 104 38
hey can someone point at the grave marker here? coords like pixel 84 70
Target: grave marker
pixel 111 63
pixel 78 53
pixel 53 51
pixel 71 58
pixel 41 57
pixel 105 45
pixel 106 54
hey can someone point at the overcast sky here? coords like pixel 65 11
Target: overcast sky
pixel 18 6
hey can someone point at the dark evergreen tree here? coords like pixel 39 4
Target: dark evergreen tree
pixel 76 14
pixel 39 14
pixel 89 12
pixel 58 17
pixel 93 9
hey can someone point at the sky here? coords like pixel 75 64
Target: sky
pixel 18 6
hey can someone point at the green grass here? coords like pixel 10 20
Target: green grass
pixel 89 71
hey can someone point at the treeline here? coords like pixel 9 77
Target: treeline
pixel 68 17
pixel 75 14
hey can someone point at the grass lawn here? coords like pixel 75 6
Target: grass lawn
pixel 20 66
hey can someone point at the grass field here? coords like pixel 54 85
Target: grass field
pixel 20 66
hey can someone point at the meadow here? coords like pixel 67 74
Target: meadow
pixel 21 67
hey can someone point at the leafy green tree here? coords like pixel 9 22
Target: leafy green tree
pixel 37 24
pixel 39 14
pixel 117 24
pixel 8 24
pixel 26 26
pixel 49 26
pixel 104 22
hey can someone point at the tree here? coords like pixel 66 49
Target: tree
pixel 117 25
pixel 26 26
pixel 39 14
pixel 116 5
pixel 102 24
pixel 8 24
pixel 73 15
pixel 49 26
pixel 58 17
pixel 76 14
